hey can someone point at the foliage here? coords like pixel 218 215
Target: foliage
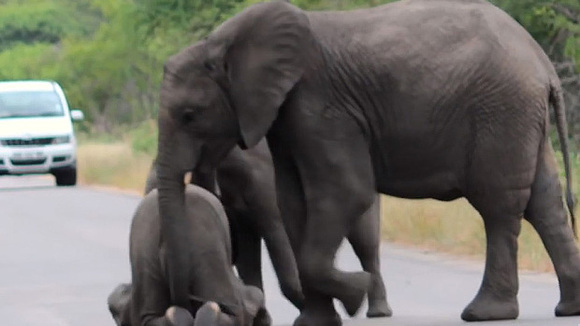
pixel 32 61
pixel 108 54
pixel 556 26
pixel 42 21
pixel 144 138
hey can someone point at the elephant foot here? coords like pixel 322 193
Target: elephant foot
pixel 312 318
pixel 177 316
pixel 379 308
pixel 263 318
pixel 568 308
pixel 294 294
pixel 352 300
pixel 486 307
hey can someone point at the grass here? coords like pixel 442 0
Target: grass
pixel 453 227
pixel 113 164
pixel 120 159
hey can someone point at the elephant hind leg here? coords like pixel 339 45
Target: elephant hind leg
pixel 501 211
pixel 365 241
pixel 546 213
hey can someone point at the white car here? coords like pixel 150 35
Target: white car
pixel 36 132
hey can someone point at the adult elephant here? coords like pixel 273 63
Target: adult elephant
pixel 416 99
pixel 244 182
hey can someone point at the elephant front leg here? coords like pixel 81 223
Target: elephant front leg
pixel 249 259
pixel 248 251
pixel 497 296
pixel 365 239
pixel 324 234
pixel 338 185
pixel 284 263
pixel 318 309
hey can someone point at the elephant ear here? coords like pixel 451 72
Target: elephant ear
pixel 264 61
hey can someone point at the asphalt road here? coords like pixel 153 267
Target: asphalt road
pixel 62 250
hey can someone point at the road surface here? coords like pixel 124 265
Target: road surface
pixel 62 250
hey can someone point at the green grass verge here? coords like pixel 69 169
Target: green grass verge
pixel 453 227
pixel 113 164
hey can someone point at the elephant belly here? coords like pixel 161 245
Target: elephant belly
pixel 421 169
pixel 440 186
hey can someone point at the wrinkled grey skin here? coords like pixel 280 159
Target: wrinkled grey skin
pixel 209 314
pixel 146 301
pixel 247 190
pixel 119 303
pixel 416 99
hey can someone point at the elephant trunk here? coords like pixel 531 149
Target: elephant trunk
pixel 151 182
pixel 171 191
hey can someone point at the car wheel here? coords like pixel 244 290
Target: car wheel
pixel 66 177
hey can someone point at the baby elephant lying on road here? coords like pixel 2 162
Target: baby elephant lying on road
pixel 217 296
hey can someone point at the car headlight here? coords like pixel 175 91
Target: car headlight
pixel 61 140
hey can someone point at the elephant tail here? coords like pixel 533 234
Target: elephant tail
pixel 557 101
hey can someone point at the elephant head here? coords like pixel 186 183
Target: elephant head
pixel 222 91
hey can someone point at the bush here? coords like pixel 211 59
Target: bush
pixel 144 138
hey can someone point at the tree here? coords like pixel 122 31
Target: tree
pixel 108 54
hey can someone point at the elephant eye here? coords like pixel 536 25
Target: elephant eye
pixel 209 66
pixel 188 115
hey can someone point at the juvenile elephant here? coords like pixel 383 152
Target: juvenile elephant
pixel 248 192
pixel 416 99
pixel 211 279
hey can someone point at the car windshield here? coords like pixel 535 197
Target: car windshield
pixel 27 104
